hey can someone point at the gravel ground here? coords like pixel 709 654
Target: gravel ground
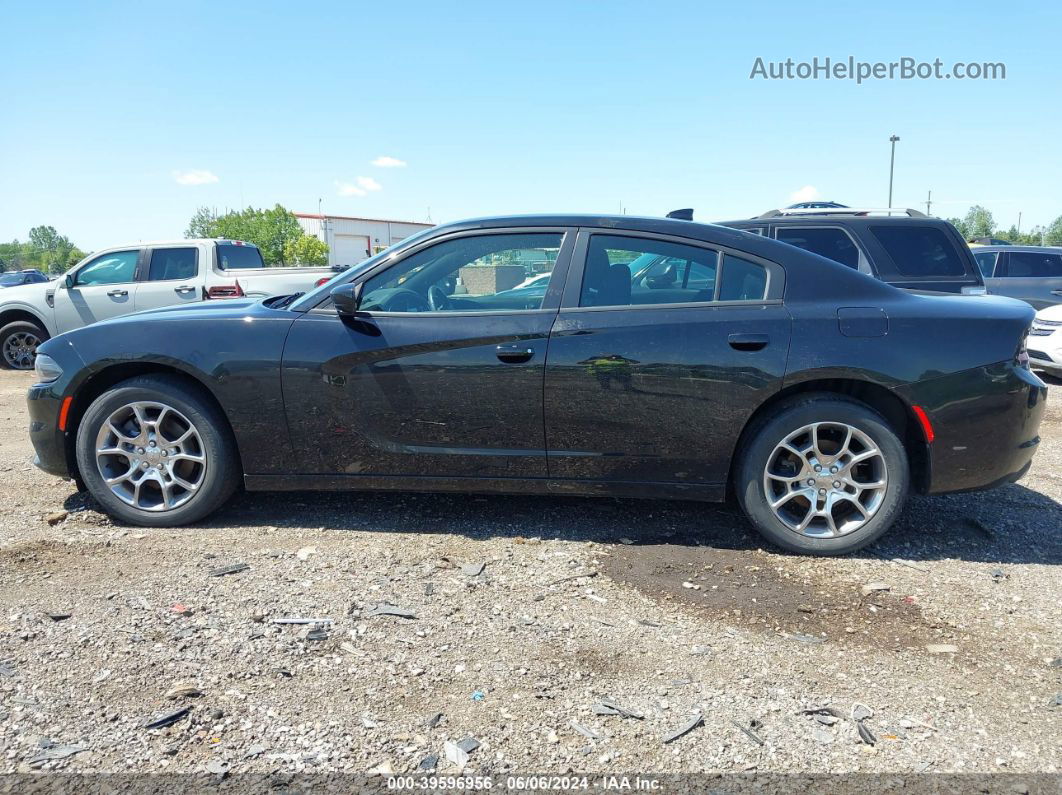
pixel 945 639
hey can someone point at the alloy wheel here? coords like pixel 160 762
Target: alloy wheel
pixel 825 480
pixel 20 349
pixel 151 456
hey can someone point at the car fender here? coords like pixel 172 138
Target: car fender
pixel 28 301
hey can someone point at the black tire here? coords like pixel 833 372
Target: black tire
pixel 10 331
pixel 222 470
pixel 760 442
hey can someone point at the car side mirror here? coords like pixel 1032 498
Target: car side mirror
pixel 68 282
pixel 347 299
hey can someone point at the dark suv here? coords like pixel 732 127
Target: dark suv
pixel 911 250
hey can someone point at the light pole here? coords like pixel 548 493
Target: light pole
pixel 892 162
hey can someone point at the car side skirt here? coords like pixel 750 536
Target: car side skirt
pixel 513 486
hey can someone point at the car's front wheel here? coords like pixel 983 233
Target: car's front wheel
pixel 823 475
pixel 18 344
pixel 156 451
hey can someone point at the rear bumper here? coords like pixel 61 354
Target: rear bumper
pixel 986 422
pixel 49 443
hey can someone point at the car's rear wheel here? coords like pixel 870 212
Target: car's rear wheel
pixel 822 475
pixel 156 451
pixel 18 344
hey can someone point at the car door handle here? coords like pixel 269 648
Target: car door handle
pixel 184 288
pixel 748 342
pixel 118 293
pixel 514 354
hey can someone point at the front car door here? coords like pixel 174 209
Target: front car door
pixel 1033 276
pixel 171 277
pixel 103 287
pixel 441 375
pixel 649 382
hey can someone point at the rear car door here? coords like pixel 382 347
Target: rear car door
pixel 171 276
pixel 103 287
pixel 1033 276
pixel 441 374
pixel 652 384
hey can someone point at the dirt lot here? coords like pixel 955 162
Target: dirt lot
pixel 665 609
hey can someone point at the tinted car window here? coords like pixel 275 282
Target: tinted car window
pixel 986 261
pixel 625 271
pixel 467 274
pixel 742 280
pixel 920 250
pixel 11 279
pixel 173 263
pixel 236 257
pixel 833 244
pixel 1032 264
pixel 115 268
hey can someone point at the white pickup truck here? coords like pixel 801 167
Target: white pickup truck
pixel 124 279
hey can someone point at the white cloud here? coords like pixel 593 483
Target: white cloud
pixel 385 161
pixel 368 183
pixel 197 176
pixel 346 189
pixel 808 193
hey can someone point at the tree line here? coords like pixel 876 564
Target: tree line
pixel 46 250
pixel 979 222
pixel 276 232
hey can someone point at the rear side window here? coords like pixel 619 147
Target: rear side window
pixel 986 261
pixel 233 257
pixel 630 271
pixel 1030 264
pixel 831 243
pixel 169 264
pixel 920 251
pixel 742 280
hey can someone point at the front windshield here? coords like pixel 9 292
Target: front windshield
pixel 316 296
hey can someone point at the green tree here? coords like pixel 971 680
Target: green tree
pixel 48 250
pixel 959 224
pixel 1053 233
pixel 306 250
pixel 271 230
pixel 978 222
pixel 12 255
pixel 202 224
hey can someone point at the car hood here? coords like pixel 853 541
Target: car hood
pixel 27 293
pixel 1052 313
pixel 217 309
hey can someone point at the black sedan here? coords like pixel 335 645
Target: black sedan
pixel 664 358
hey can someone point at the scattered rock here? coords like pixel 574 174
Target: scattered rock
pixel 473 569
pixel 183 690
pixel 305 553
pixel 387 609
pixel 871 587
pixel 55 517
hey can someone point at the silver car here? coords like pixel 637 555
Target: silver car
pixel 1031 273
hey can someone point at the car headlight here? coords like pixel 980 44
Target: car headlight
pixel 46 368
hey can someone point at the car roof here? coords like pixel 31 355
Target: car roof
pixel 811 219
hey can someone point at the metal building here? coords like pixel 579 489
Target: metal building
pixel 351 240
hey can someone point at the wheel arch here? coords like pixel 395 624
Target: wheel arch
pixel 16 313
pixel 896 411
pixel 100 381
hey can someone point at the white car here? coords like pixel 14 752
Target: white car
pixel 1045 340
pixel 124 279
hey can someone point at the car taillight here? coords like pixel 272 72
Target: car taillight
pixel 322 280
pixel 224 291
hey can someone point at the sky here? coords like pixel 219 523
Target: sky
pixel 120 119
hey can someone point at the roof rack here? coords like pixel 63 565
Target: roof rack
pixel 846 211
